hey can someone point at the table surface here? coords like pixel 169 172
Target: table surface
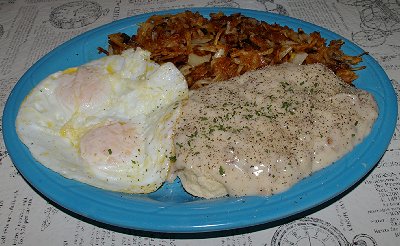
pixel 368 214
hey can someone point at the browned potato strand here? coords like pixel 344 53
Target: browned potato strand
pixel 216 49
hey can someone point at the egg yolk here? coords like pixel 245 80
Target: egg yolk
pixel 110 145
pixel 85 91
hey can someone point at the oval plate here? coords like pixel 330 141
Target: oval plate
pixel 171 209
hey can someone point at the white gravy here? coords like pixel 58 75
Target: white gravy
pixel 260 133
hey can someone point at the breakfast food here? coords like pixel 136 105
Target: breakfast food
pixel 126 123
pixel 222 47
pixel 261 132
pixel 108 123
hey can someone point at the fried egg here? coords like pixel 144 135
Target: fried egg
pixel 108 123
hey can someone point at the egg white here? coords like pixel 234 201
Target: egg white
pixel 108 123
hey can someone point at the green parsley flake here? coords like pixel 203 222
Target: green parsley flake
pixel 286 105
pixel 221 171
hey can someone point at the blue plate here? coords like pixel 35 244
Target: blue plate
pixel 171 209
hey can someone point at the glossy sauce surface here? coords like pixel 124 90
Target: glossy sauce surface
pixel 260 133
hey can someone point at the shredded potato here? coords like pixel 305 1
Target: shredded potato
pixel 216 49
